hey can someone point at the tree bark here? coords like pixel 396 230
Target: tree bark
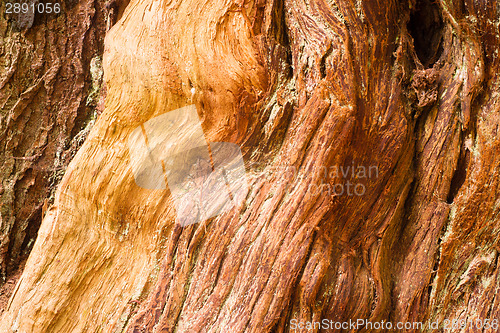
pixel 50 90
pixel 394 102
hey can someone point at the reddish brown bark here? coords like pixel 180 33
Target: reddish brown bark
pixel 409 88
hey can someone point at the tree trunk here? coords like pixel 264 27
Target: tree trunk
pixel 50 87
pixel 369 135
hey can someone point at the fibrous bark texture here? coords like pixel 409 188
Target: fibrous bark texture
pixel 50 86
pixel 369 131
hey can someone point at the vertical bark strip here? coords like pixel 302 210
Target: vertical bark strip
pixel 50 79
pixel 307 88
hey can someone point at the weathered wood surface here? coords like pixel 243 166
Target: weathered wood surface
pixel 408 87
pixel 50 95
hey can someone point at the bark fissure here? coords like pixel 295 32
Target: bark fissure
pixel 426 28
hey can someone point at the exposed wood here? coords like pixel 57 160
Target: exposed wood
pixel 50 86
pixel 311 91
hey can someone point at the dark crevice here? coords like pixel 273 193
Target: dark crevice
pixel 322 66
pixel 426 28
pixel 121 8
pixel 259 20
pixel 437 259
pixel 284 39
pixel 460 174
pixel 31 231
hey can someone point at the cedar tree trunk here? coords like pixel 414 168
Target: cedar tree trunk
pixel 317 94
